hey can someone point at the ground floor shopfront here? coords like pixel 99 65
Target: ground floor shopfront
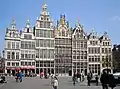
pixel 24 70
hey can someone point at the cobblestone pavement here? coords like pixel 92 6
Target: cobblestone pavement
pixel 37 83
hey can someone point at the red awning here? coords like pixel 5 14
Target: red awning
pixel 12 68
pixel 17 68
pixel 27 67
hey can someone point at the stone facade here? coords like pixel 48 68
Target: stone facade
pixel 60 49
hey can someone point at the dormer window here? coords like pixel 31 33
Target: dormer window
pixel 41 18
pixel 27 30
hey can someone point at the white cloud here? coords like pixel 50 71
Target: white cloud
pixel 115 18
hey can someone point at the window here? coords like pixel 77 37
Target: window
pixel 8 55
pixel 17 45
pixel 25 55
pixel 17 64
pixel 41 53
pixel 44 53
pixel 22 44
pixel 37 53
pixel 29 63
pixel 91 42
pixel 89 50
pixel 37 33
pixel 25 63
pixel 26 36
pixel 13 45
pixel 48 24
pixel 33 56
pixel 22 63
pixel 41 43
pixel 27 30
pixel 106 50
pixel 102 50
pixel 9 45
pixel 48 34
pixel 85 44
pixel 17 55
pixel 33 45
pixel 52 54
pixel 109 50
pixel 45 35
pixel 37 43
pixel 33 63
pixel 8 63
pixel 52 43
pixel 41 24
pixel 45 44
pixel 22 56
pixel 13 64
pixel 41 33
pixel 13 55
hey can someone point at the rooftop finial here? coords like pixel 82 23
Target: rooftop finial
pixel 13 25
pixel 44 7
pixel 28 23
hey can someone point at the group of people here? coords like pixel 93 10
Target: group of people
pixel 78 77
pixel 54 81
pixel 107 80
pixel 19 76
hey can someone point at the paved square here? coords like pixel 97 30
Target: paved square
pixel 37 83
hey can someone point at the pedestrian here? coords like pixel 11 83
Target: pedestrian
pixel 20 75
pixel 55 85
pixel 96 78
pixel 111 81
pixel 74 78
pixel 52 80
pixel 88 79
pixel 104 80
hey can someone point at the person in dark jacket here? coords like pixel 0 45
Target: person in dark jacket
pixel 104 80
pixel 89 78
pixel 111 81
pixel 74 78
pixel 96 78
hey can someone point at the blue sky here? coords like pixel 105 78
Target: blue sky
pixel 103 15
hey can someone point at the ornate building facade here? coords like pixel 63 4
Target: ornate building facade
pixel 12 49
pixel 60 50
pixel 44 42
pixel 63 59
pixel 79 49
pixel 27 50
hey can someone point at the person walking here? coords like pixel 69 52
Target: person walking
pixel 20 75
pixel 96 78
pixel 104 80
pixel 52 80
pixel 88 79
pixel 55 85
pixel 74 78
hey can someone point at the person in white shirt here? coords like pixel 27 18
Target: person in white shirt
pixel 55 85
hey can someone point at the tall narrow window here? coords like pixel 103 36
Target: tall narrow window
pixel 17 45
pixel 9 45
pixel 8 55
pixel 13 45
pixel 17 55
pixel 13 55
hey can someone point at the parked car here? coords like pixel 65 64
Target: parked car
pixel 117 77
